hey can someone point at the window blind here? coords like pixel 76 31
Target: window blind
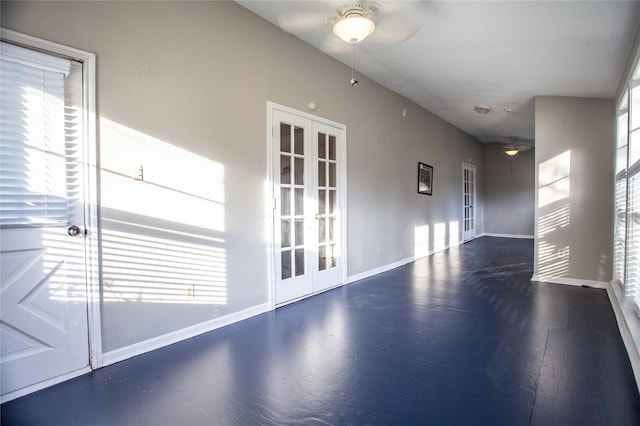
pixel 33 188
pixel 632 279
pixel 620 229
pixel 629 131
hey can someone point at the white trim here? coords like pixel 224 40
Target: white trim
pixel 91 185
pixel 492 234
pixel 270 207
pixel 177 336
pixel 471 168
pixel 273 105
pixel 629 326
pixel 306 296
pixel 381 269
pixel 570 281
pixel 42 385
pixel 394 265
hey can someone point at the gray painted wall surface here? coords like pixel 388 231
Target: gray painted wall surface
pixel 574 179
pixel 197 76
pixel 509 191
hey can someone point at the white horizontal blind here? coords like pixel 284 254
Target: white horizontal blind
pixel 632 282
pixel 629 131
pixel 620 202
pixel 620 230
pixel 33 189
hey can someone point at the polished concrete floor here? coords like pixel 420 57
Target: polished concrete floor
pixel 459 338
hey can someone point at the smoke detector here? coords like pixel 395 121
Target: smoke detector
pixel 482 109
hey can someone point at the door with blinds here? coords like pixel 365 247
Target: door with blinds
pixel 308 178
pixel 468 202
pixel 43 316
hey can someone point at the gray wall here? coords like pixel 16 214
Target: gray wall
pixel 574 196
pixel 190 81
pixel 509 191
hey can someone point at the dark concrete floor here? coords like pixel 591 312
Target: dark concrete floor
pixel 459 338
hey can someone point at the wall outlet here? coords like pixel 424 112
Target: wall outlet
pixel 379 248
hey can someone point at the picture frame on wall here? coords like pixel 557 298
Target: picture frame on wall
pixel 425 179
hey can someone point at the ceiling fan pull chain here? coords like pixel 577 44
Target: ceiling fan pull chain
pixel 353 64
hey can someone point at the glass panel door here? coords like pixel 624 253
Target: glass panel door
pixel 308 192
pixel 468 198
pixel 292 152
pixel 328 151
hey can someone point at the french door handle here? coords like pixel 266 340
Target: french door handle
pixel 318 216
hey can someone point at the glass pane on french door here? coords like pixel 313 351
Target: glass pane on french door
pixel 292 211
pixel 468 199
pixel 327 193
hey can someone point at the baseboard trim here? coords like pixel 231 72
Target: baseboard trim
pixel 394 265
pixel 570 281
pixel 633 349
pixel 379 270
pixel 492 234
pixel 42 385
pixel 136 349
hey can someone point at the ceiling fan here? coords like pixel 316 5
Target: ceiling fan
pixel 386 22
pixel 516 145
pixel 352 22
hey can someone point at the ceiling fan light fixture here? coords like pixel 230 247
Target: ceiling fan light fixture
pixel 511 152
pixel 354 27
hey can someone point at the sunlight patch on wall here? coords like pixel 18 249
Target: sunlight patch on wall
pixel 554 217
pixel 421 241
pixel 554 179
pixel 454 233
pixel 145 267
pixel 146 176
pixel 163 218
pixel 553 220
pixel 553 260
pixel 439 236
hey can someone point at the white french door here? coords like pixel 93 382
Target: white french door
pixel 468 202
pixel 44 327
pixel 308 187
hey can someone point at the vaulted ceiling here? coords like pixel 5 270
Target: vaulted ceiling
pixel 448 56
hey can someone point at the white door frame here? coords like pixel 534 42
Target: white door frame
pixel 270 196
pixel 472 235
pixel 91 197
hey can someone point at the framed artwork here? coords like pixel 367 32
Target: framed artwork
pixel 425 179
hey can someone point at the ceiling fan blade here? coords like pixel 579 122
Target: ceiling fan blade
pixel 395 31
pixel 523 147
pixel 299 22
pixel 332 44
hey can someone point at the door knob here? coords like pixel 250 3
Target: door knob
pixel 74 230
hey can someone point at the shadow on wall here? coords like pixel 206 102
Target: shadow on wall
pixel 554 185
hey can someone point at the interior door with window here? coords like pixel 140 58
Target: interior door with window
pixel 468 202
pixel 43 318
pixel 307 157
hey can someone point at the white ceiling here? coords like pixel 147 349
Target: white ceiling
pixel 464 53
